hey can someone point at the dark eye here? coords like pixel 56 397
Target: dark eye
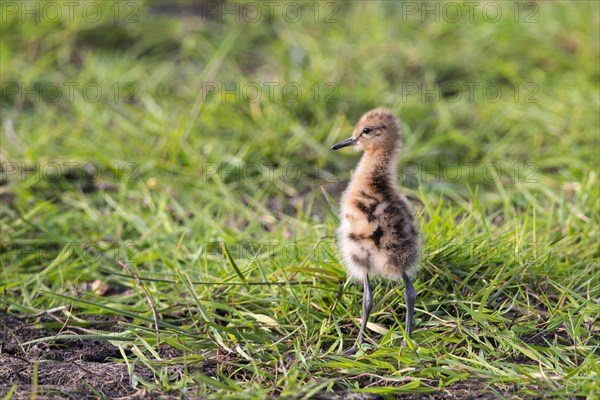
pixel 366 131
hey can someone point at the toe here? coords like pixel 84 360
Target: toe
pixel 351 351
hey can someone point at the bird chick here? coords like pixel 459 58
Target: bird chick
pixel 377 234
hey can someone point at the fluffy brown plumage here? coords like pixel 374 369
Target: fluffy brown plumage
pixel 377 234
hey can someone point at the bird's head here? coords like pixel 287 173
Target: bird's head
pixel 376 131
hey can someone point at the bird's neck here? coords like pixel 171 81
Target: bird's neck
pixel 377 169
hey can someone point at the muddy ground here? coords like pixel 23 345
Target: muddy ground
pixel 82 369
pixel 65 369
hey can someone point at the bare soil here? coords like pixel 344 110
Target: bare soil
pixel 65 368
pixel 82 369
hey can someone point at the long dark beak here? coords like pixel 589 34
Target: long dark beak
pixel 347 142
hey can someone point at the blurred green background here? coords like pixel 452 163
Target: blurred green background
pixel 152 132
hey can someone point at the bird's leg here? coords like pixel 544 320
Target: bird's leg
pixel 367 307
pixel 410 295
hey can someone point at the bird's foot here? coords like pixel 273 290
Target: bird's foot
pixel 414 343
pixel 351 351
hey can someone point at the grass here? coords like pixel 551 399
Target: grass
pixel 224 208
